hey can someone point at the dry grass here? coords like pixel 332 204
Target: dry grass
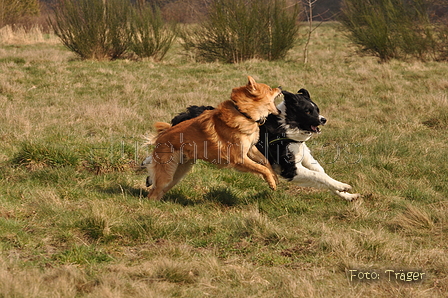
pixel 74 221
pixel 11 35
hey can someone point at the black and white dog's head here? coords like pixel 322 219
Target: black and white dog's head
pixel 299 115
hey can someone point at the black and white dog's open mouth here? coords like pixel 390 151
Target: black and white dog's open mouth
pixel 315 129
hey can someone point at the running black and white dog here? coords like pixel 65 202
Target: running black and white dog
pixel 282 141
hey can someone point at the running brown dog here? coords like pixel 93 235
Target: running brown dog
pixel 224 136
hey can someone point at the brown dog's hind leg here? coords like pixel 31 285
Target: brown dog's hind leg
pixel 166 175
pixel 162 172
pixel 180 173
pixel 160 183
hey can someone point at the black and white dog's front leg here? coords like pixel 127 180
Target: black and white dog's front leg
pixel 307 178
pixel 309 173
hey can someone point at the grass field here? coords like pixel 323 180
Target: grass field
pixel 74 220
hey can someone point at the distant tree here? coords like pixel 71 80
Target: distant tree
pixel 325 10
pixel 185 11
pixel 309 6
pixel 12 10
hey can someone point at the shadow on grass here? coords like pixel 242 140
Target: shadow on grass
pixel 221 195
pixel 177 196
pixel 229 197
pixel 123 189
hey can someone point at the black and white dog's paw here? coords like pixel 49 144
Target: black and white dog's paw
pixel 347 196
pixel 342 187
pixel 342 190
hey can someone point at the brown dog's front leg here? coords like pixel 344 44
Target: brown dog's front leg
pixel 258 157
pixel 248 165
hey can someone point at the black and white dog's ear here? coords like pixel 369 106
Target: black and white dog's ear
pixel 304 92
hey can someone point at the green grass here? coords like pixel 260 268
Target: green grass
pixel 75 221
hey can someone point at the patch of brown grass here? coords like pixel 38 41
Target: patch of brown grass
pixel 19 35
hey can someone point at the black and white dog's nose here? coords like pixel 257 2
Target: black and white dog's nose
pixel 323 120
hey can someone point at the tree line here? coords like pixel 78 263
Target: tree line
pixel 236 30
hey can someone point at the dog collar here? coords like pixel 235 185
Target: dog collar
pixel 284 139
pixel 273 142
pixel 260 121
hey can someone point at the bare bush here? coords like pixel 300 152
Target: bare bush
pixel 93 29
pixel 238 30
pixel 152 37
pixel 393 28
pixel 99 29
pixel 12 11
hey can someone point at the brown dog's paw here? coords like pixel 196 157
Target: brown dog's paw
pixel 275 178
pixel 153 195
pixel 273 184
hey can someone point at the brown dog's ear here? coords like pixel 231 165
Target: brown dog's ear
pixel 251 84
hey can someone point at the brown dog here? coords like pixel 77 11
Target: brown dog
pixel 224 136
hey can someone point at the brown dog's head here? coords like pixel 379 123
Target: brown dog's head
pixel 255 99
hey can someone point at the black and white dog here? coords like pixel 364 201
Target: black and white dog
pixel 282 142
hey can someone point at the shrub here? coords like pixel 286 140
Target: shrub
pixel 238 30
pixel 416 34
pixel 93 29
pixel 151 36
pixel 369 27
pixel 11 11
pixel 99 29
pixel 391 28
pixel 443 45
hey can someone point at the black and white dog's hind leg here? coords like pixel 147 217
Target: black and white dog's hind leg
pixel 309 173
pixel 146 164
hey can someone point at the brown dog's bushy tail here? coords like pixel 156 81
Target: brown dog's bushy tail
pixel 161 126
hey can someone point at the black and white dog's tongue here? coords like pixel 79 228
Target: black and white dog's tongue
pixel 315 128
